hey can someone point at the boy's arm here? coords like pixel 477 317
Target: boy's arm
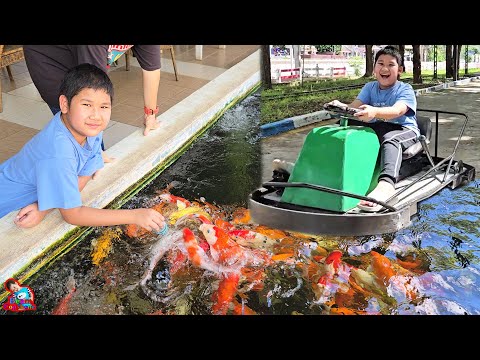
pixel 29 216
pixel 405 104
pixel 354 104
pixel 387 113
pixel 149 219
pixel 82 181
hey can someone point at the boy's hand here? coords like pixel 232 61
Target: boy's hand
pixel 30 216
pixel 106 158
pixel 337 103
pixel 366 113
pixel 149 219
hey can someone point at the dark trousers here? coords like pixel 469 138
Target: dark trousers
pixel 394 139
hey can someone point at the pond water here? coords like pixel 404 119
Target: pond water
pixel 431 267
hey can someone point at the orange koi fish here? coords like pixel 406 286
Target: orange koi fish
pixel 241 216
pixel 346 311
pixel 222 248
pixel 195 253
pixel 382 267
pixel 252 239
pixel 198 256
pixel 225 293
pixel 224 225
pixel 271 233
pixel 241 309
pixel 62 307
pixel 171 199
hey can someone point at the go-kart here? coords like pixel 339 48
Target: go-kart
pixel 339 164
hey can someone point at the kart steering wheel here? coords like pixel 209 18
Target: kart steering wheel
pixel 339 111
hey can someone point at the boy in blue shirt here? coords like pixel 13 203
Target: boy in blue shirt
pixel 52 168
pixel 388 106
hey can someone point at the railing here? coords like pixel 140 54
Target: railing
pixel 287 75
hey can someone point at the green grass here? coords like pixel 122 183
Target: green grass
pixel 291 99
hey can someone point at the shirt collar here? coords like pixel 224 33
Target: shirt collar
pixel 90 139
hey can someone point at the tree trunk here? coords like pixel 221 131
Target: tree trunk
pixel 417 65
pixel 459 51
pixel 296 55
pixel 401 49
pixel 448 61
pixel 368 61
pixel 266 67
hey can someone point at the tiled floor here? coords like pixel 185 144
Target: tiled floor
pixel 25 113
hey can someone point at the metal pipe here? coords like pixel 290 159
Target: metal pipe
pixel 329 190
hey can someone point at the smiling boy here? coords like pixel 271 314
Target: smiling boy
pixel 52 168
pixel 388 106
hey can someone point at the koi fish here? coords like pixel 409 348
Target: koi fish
pixel 227 252
pixel 241 309
pixel 382 268
pixel 241 216
pixel 63 305
pixel 222 248
pixel 346 311
pixel 197 254
pixel 192 210
pixel 172 199
pixel 225 293
pixel 252 239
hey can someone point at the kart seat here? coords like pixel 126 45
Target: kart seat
pixel 425 126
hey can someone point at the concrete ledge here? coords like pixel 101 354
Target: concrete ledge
pixel 445 85
pixel 295 122
pixel 137 156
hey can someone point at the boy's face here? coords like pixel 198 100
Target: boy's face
pixel 88 114
pixel 387 70
pixel 14 287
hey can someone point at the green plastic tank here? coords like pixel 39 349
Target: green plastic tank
pixel 341 157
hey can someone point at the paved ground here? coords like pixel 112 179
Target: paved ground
pixel 463 98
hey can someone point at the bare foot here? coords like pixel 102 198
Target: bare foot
pixel 382 192
pixel 107 159
pixel 150 124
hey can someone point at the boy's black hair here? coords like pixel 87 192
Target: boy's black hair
pixel 85 76
pixel 392 51
pixel 9 282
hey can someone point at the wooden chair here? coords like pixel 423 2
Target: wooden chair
pixel 162 47
pixel 9 54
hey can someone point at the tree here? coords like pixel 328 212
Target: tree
pixel 459 51
pixel 417 65
pixel 328 48
pixel 401 50
pixel 449 61
pixel 266 67
pixel 368 61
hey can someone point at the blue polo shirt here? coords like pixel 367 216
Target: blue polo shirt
pixel 47 168
pixel 371 94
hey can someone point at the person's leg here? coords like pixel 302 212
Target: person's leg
pixel 393 141
pixel 393 144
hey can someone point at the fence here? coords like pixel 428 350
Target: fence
pixel 287 75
